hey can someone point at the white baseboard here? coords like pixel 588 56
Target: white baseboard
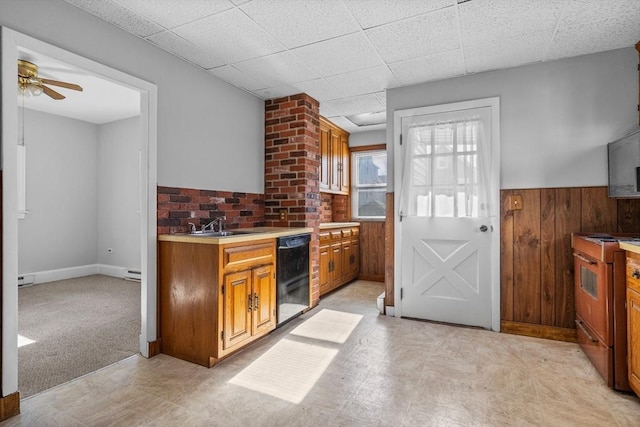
pixel 110 270
pixel 79 271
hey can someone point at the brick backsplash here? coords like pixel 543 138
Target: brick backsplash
pixel 333 207
pixel 177 207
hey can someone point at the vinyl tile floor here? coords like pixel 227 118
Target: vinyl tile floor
pixel 343 364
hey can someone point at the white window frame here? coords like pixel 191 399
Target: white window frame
pixel 355 214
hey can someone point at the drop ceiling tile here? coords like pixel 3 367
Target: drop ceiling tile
pixel 319 89
pixel 170 14
pixel 583 11
pixel 276 92
pixel 340 55
pixel 421 36
pixel 115 13
pixel 231 35
pixel 326 111
pixel 356 104
pixel 299 23
pixel 382 97
pixel 428 68
pixel 508 52
pixel 482 21
pixel 595 36
pixel 182 48
pixel 237 78
pixel 344 123
pixel 363 81
pixel 277 69
pixel 371 14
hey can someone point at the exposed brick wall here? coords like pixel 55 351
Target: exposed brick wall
pixel 334 208
pixel 326 214
pixel 339 208
pixel 292 159
pixel 177 207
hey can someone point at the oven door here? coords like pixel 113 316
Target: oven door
pixel 593 293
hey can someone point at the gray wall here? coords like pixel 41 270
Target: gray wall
pixel 119 193
pixel 556 117
pixel 60 230
pixel 372 137
pixel 210 134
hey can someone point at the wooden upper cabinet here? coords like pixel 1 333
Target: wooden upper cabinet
pixel 344 163
pixel 334 158
pixel 324 155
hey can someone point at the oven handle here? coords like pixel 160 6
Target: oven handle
pixel 583 258
pixel 584 330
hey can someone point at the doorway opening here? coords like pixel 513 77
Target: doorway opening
pixel 118 173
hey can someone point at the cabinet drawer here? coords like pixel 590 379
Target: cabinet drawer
pixel 324 237
pixel 346 232
pixel 633 272
pixel 250 255
pixel 336 234
pixel 355 232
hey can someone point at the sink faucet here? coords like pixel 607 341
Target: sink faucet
pixel 218 220
pixel 192 227
pixel 220 223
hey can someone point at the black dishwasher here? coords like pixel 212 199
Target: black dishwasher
pixel 293 276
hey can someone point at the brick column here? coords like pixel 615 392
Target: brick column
pixel 292 159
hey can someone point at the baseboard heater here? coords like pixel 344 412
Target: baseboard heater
pixel 133 275
pixel 26 280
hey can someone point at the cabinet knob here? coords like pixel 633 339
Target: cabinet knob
pixel 635 274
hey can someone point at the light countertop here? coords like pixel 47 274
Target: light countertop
pixel 338 224
pixel 631 247
pixel 257 233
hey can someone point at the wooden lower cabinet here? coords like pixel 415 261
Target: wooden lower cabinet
pixel 339 257
pixel 633 320
pixel 215 299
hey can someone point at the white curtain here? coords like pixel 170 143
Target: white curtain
pixel 445 169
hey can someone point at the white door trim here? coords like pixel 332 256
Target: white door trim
pixel 494 104
pixel 11 41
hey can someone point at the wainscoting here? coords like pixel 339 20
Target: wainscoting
pixel 537 295
pixel 372 250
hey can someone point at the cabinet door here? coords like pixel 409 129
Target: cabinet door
pixel 237 308
pixel 344 163
pixel 325 257
pixel 264 300
pixel 334 175
pixel 633 332
pixel 347 261
pixel 325 157
pixel 335 275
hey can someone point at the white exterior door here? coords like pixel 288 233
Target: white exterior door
pixel 447 247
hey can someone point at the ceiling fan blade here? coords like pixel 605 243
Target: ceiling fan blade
pixel 52 93
pixel 62 84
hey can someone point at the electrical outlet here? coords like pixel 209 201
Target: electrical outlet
pixel 515 202
pixel 283 214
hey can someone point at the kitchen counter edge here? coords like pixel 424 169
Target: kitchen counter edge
pixel 325 225
pixel 258 233
pixel 631 247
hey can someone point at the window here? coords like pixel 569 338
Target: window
pixel 369 177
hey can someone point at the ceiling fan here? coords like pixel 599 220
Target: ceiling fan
pixel 30 84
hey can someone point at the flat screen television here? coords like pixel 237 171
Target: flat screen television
pixel 624 166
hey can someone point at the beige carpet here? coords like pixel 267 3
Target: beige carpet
pixel 78 326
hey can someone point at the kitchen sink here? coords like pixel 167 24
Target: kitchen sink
pixel 218 233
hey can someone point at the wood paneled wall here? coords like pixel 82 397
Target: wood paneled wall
pixel 372 251
pixel 536 254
